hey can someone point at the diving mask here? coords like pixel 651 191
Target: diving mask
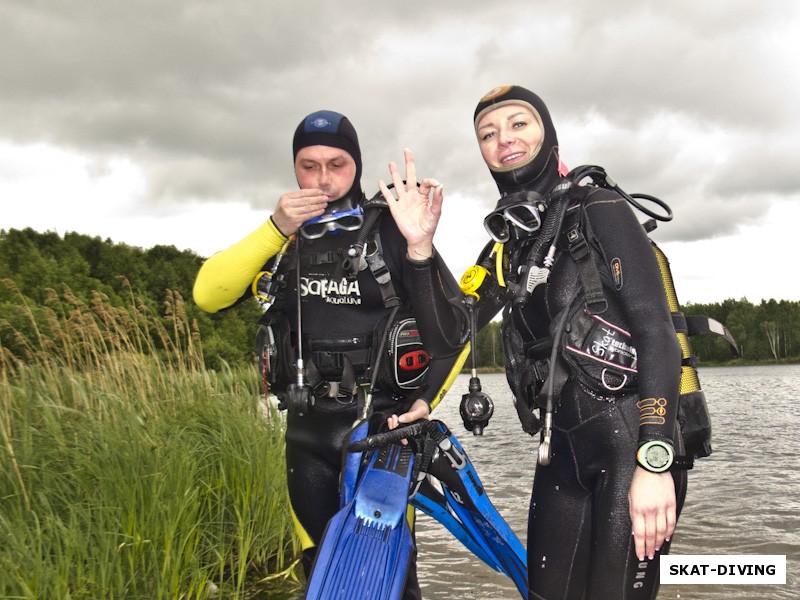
pixel 349 219
pixel 522 210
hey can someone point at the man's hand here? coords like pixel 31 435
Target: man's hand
pixel 419 410
pixel 297 207
pixel 415 210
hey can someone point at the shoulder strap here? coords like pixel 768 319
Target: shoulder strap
pixel 594 298
pixel 377 265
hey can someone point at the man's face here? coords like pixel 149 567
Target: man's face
pixel 329 169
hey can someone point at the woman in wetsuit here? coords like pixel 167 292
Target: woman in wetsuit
pixel 342 315
pixel 606 505
pixel 598 519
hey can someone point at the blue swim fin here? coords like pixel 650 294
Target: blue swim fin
pixel 351 462
pixel 464 508
pixel 367 545
pixel 432 501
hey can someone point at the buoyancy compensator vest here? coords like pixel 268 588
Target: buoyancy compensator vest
pixel 589 334
pixel 390 359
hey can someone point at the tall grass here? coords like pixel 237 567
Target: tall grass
pixel 127 470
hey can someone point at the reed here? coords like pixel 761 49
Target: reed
pixel 127 470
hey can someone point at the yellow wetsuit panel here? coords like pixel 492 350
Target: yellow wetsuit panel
pixel 226 275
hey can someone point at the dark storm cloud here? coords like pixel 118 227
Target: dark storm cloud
pixel 180 87
pixel 205 95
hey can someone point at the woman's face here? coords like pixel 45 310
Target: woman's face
pixel 509 137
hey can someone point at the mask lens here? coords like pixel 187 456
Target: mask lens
pixel 350 223
pixel 312 231
pixel 519 210
pixel 524 216
pixel 348 220
pixel 497 227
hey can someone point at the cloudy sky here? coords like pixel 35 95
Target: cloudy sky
pixel 170 122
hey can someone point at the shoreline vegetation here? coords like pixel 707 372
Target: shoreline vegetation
pixel 129 470
pixel 136 457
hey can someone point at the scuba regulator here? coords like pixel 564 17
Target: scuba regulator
pixel 476 406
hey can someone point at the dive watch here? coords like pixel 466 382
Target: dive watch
pixel 655 456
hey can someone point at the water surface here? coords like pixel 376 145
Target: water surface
pixel 743 499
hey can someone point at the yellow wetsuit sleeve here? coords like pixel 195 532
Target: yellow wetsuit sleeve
pixel 226 275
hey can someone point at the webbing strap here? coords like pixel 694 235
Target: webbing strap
pixel 683 463
pixel 321 258
pixel 690 361
pixel 594 299
pixel 381 273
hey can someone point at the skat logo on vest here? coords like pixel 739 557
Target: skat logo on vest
pixel 331 290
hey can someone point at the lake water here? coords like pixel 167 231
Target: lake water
pixel 743 499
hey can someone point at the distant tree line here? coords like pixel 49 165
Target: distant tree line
pixel 768 331
pixel 35 265
pixel 765 332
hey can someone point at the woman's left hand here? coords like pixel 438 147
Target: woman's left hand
pixel 415 210
pixel 652 504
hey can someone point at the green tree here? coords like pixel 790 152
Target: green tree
pixel 489 346
pixel 32 263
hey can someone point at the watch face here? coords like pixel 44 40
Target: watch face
pixel 657 456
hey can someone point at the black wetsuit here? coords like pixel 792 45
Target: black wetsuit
pixel 349 316
pixel 579 534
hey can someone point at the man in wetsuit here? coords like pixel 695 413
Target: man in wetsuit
pixel 342 317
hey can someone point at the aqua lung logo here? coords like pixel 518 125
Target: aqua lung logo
pixel 320 122
pixel 331 291
pixel 641 573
